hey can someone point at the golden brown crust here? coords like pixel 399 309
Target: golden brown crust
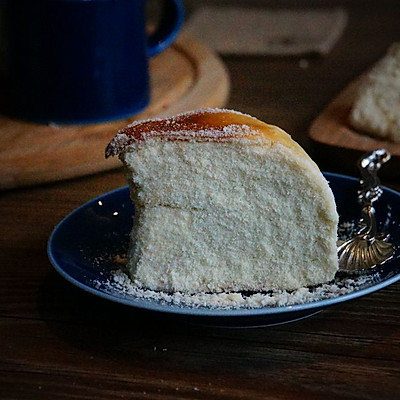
pixel 201 125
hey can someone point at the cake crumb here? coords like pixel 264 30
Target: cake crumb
pixel 303 63
pixel 120 259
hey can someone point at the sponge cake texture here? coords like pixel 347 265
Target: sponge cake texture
pixel 225 202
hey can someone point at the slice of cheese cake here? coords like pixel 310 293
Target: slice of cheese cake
pixel 225 202
pixel 376 108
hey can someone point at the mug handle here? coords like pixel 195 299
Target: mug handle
pixel 172 16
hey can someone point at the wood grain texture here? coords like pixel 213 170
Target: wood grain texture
pixel 186 76
pixel 58 342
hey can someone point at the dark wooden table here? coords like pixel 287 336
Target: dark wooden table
pixel 58 342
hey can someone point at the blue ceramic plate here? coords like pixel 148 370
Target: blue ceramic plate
pixel 81 244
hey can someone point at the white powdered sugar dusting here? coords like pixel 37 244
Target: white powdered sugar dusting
pixel 231 131
pixel 208 134
pixel 172 119
pixel 120 284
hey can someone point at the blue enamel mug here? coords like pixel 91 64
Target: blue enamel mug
pixel 79 61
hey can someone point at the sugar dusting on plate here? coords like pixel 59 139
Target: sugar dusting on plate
pixel 120 284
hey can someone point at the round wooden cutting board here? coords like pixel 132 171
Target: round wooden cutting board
pixel 184 77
